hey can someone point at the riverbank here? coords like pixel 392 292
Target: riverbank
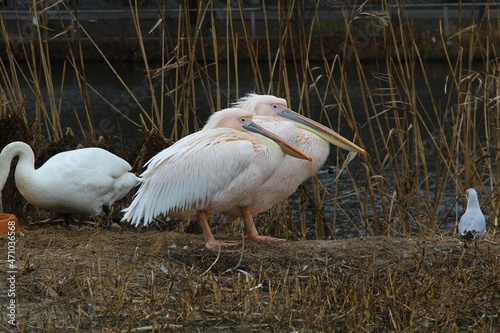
pixel 430 130
pixel 148 280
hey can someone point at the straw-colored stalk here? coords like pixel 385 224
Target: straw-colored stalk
pixel 418 155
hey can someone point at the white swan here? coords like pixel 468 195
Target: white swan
pixel 81 181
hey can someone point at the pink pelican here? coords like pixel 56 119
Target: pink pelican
pixel 307 135
pixel 209 171
pixel 81 181
pixel 472 224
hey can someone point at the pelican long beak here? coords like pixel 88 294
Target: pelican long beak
pixel 323 132
pixel 285 146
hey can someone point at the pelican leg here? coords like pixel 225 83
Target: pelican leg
pixel 251 232
pixel 208 236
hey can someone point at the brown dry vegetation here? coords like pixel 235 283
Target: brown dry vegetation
pixel 134 281
pixel 87 280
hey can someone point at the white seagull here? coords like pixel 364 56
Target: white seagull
pixel 472 224
pixel 81 181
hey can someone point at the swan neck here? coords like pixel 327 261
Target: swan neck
pixel 26 160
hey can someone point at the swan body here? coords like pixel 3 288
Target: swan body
pixel 82 181
pixel 208 171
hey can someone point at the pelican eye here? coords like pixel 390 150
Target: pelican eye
pixel 277 107
pixel 246 121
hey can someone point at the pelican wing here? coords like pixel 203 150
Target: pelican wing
pixel 186 175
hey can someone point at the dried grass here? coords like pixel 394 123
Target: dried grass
pixel 421 155
pixel 87 280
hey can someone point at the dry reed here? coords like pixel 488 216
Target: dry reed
pixel 163 281
pixel 420 152
pixel 424 152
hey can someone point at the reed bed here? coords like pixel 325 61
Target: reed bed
pixel 424 152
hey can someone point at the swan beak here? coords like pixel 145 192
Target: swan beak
pixel 323 132
pixel 285 146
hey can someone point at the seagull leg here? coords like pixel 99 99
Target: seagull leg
pixel 476 248
pixel 251 232
pixel 208 236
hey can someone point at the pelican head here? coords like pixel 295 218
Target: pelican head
pixel 269 105
pixel 241 120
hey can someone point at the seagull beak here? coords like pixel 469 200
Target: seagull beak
pixel 285 146
pixel 322 131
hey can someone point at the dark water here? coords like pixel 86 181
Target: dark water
pixel 108 122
